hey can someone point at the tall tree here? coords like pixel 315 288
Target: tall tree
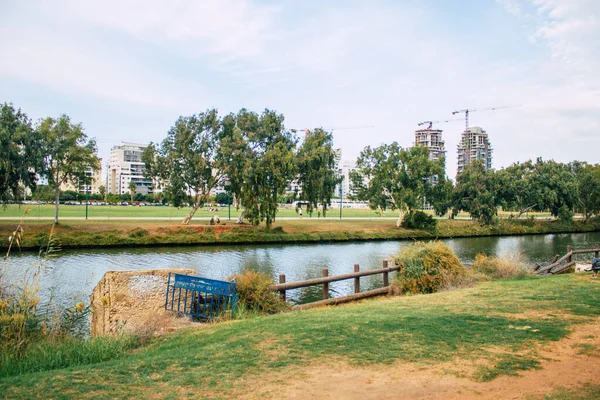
pixel 132 187
pixel 559 190
pixel 187 160
pixel 316 170
pixel 392 177
pixel 258 157
pixel 21 152
pixel 102 191
pixel 588 182
pixel 68 153
pixel 519 190
pixel 477 193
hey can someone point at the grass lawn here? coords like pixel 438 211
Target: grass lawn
pixel 497 328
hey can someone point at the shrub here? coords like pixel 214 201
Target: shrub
pixel 427 268
pixel 419 220
pixel 255 293
pixel 500 268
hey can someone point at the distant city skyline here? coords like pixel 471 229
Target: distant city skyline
pixel 128 70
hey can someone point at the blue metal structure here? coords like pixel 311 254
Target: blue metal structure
pixel 200 297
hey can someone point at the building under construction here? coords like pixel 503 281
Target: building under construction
pixel 432 139
pixel 474 145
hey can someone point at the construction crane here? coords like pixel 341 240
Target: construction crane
pixel 468 110
pixel 437 122
pixel 334 128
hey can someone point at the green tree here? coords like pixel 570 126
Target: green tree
pixel 559 189
pixel 68 152
pixel 392 177
pixel 21 152
pixel 132 186
pixel 187 160
pixel 223 198
pixel 440 196
pixel 316 170
pixel 102 191
pixel 476 192
pixel 588 182
pixel 43 193
pixel 519 188
pixel 258 158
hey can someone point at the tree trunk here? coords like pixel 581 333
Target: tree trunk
pixel 240 219
pixel 399 218
pixel 56 201
pixel 189 217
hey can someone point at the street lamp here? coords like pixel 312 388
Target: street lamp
pixel 227 187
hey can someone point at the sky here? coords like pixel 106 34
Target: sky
pixel 127 69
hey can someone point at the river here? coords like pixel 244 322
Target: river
pixel 71 276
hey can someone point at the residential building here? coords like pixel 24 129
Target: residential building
pixel 432 139
pixel 91 183
pixel 126 165
pixel 474 145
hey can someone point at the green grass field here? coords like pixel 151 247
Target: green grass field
pixel 148 212
pixel 495 328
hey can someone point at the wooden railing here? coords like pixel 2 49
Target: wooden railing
pixel 284 286
pixel 563 264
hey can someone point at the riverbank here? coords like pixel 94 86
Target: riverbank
pixel 98 234
pixel 529 337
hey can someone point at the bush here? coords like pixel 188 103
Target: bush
pixel 500 268
pixel 419 220
pixel 255 293
pixel 427 268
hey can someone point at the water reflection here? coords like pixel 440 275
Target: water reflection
pixel 71 276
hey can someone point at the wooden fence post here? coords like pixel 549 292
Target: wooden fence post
pixel 386 282
pixel 597 250
pixel 569 249
pixel 326 284
pixel 357 279
pixel 282 292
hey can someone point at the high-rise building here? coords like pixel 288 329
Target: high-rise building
pixel 474 145
pixel 432 139
pixel 126 165
pixel 90 184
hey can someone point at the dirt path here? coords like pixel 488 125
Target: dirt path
pixel 563 365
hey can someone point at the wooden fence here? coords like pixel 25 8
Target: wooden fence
pixel 283 286
pixel 563 264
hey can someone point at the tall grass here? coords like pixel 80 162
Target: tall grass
pixel 500 268
pixel 255 294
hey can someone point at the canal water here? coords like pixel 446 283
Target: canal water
pixel 71 276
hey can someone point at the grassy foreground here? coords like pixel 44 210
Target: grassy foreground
pixel 118 233
pixel 486 327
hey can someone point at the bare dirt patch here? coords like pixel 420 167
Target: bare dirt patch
pixel 564 365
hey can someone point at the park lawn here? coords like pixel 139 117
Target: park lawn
pixel 497 328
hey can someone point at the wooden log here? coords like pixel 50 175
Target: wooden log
pixel 386 281
pixel 282 292
pixel 357 279
pixel 570 252
pixel 597 250
pixel 554 264
pixel 555 259
pixel 326 284
pixel 584 251
pixel 564 268
pixel 344 299
pixel 335 278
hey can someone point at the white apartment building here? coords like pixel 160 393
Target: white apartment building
pixel 126 165
pixel 90 184
pixel 474 145
pixel 345 167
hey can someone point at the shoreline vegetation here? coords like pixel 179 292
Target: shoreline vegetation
pixel 144 233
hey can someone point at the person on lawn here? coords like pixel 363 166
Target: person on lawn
pixel 595 266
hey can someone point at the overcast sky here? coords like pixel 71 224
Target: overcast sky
pixel 127 69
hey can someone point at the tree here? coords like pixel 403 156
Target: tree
pixel 440 196
pixel 68 153
pixel 21 152
pixel 316 170
pixel 559 189
pixel 258 158
pixel 187 160
pixel 102 191
pixel 132 186
pixel 519 190
pixel 392 177
pixel 223 198
pixel 588 182
pixel 476 192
